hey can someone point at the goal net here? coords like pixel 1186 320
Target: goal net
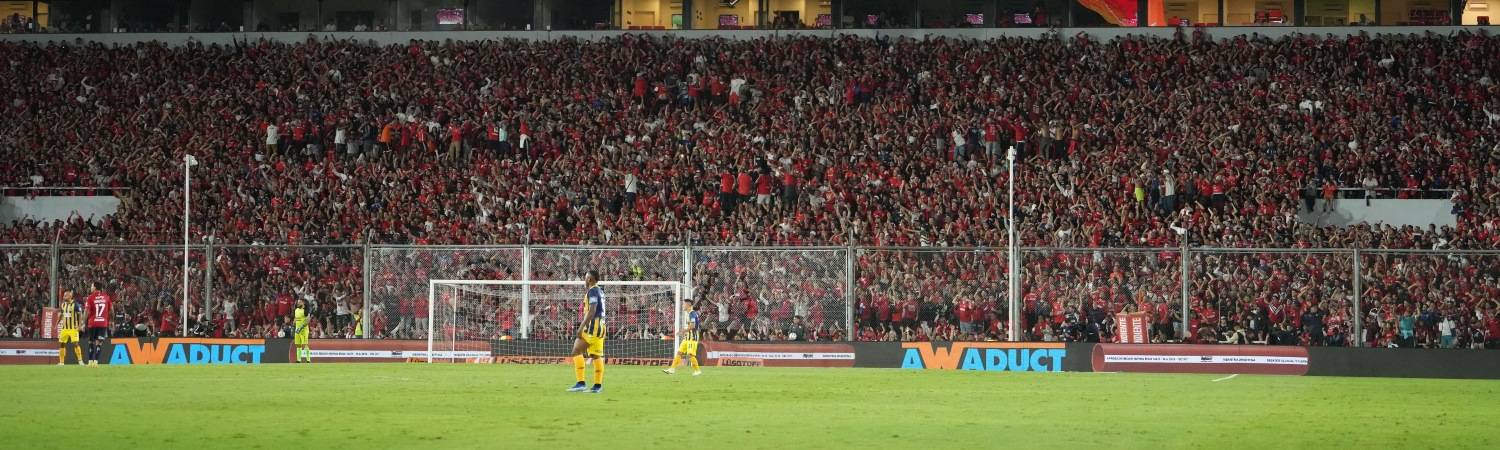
pixel 536 321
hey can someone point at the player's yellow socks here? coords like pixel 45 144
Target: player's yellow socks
pixel 598 371
pixel 676 360
pixel 62 353
pixel 578 367
pixel 694 359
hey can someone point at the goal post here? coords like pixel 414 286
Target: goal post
pixel 536 321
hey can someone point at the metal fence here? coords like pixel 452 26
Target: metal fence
pixel 1348 297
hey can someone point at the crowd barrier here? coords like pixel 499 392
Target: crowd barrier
pixel 966 356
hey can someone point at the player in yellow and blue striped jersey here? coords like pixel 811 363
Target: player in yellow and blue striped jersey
pixel 69 321
pixel 690 334
pixel 591 333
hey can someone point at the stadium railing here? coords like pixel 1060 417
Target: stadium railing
pixel 1190 291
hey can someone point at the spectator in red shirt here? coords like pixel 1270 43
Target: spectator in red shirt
pixel 764 185
pixel 744 184
pixel 168 323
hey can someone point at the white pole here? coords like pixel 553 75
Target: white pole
pixel 525 292
pixel 677 317
pixel 431 300
pixel 1185 271
pixel 1010 229
pixel 452 331
pixel 187 189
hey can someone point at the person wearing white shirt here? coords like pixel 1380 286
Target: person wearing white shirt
pixel 723 307
pixel 229 308
pixel 341 312
pixel 736 85
pixel 340 138
pixel 632 187
pixel 1446 327
pixel 1168 192
pixel 958 145
pixel 273 134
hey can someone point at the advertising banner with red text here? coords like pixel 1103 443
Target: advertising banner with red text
pixel 49 323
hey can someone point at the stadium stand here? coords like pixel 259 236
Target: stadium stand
pixel 787 142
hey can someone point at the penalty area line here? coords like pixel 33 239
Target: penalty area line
pixel 1231 377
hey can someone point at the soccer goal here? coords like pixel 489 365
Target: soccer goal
pixel 535 322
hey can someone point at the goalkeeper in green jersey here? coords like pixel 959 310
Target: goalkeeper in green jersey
pixel 299 320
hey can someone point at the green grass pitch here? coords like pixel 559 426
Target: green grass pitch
pixel 511 406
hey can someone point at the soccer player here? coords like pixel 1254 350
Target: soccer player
pixel 590 341
pixel 98 306
pixel 689 347
pixel 299 318
pixel 70 319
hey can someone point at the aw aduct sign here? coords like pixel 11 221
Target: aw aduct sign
pixel 986 356
pixel 190 351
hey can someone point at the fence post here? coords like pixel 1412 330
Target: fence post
pixel 688 290
pixel 52 274
pixel 1013 293
pixel 1359 317
pixel 525 291
pixel 849 330
pixel 1187 309
pixel 364 316
pixel 208 282
pixel 684 292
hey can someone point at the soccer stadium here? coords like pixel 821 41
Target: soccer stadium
pixel 760 224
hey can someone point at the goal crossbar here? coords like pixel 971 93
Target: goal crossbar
pixel 675 287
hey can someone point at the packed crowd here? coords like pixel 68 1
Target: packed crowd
pixel 787 141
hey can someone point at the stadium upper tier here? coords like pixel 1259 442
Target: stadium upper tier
pixel 774 141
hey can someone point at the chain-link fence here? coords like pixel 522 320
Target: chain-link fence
pixel 1329 297
pixel 255 284
pixel 398 279
pixel 773 294
pixel 1442 299
pixel 1074 294
pixel 635 314
pixel 25 278
pixel 146 283
pixel 931 294
pixel 1269 297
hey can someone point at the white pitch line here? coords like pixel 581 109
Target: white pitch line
pixel 1226 378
